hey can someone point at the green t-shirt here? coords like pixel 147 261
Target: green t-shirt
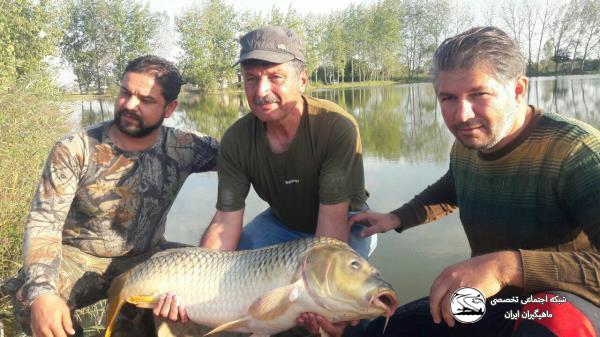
pixel 323 165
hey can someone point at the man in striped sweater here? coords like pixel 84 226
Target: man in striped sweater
pixel 527 184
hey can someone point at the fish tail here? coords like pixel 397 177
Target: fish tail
pixel 116 300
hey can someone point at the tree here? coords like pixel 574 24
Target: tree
pixel 102 35
pixel 416 39
pixel 591 37
pixel 313 50
pixel 561 26
pixel 336 49
pixel 353 19
pixel 561 56
pixel 134 28
pixel 208 39
pixel 384 37
pixel 27 35
pixel 544 17
pixel 515 18
pixel 461 17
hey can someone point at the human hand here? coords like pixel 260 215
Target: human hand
pixel 168 308
pixel 375 222
pixel 316 323
pixel 487 273
pixel 50 317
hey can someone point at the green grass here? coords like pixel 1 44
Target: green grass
pixel 30 123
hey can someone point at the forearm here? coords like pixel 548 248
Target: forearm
pixel 224 231
pixel 333 221
pixel 42 242
pixel 42 254
pixel 436 201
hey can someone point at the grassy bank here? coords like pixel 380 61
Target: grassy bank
pixel 30 123
pixel 320 85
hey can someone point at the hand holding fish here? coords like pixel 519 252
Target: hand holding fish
pixel 487 273
pixel 316 324
pixel 376 222
pixel 168 308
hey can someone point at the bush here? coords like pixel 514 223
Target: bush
pixel 31 121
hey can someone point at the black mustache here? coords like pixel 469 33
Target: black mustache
pixel 130 114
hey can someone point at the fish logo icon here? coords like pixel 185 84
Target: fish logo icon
pixel 468 305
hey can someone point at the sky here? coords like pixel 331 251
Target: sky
pixel 302 6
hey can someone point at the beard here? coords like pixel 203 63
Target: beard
pixel 495 134
pixel 139 129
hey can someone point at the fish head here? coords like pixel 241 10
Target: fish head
pixel 345 283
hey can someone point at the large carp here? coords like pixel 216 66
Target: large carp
pixel 260 291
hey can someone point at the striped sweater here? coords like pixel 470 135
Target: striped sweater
pixel 539 194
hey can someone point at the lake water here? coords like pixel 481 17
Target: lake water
pixel 406 147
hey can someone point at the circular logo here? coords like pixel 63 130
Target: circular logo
pixel 468 305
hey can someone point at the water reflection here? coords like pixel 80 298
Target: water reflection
pixel 576 96
pixel 397 122
pixel 211 114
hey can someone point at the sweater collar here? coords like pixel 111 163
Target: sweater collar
pixel 508 148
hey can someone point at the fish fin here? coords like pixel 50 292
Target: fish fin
pixel 238 323
pixel 146 302
pixel 323 333
pixel 116 300
pixel 274 303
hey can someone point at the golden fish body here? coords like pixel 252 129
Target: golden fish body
pixel 260 291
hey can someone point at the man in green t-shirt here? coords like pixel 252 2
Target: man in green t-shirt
pixel 302 155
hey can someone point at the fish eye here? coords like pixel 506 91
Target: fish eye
pixel 355 265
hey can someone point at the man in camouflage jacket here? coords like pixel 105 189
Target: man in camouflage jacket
pixel 101 204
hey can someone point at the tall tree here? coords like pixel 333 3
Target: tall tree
pixel 531 24
pixel 590 17
pixel 461 17
pixel 514 18
pixel 28 34
pixel 561 26
pixel 416 38
pixel 102 35
pixel 313 44
pixel 336 50
pixel 385 37
pixel 134 28
pixel 544 22
pixel 208 39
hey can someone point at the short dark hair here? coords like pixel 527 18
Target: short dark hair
pixel 480 46
pixel 163 71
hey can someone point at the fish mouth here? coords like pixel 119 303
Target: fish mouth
pixel 384 300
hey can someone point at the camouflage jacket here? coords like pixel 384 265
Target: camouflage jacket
pixel 105 201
